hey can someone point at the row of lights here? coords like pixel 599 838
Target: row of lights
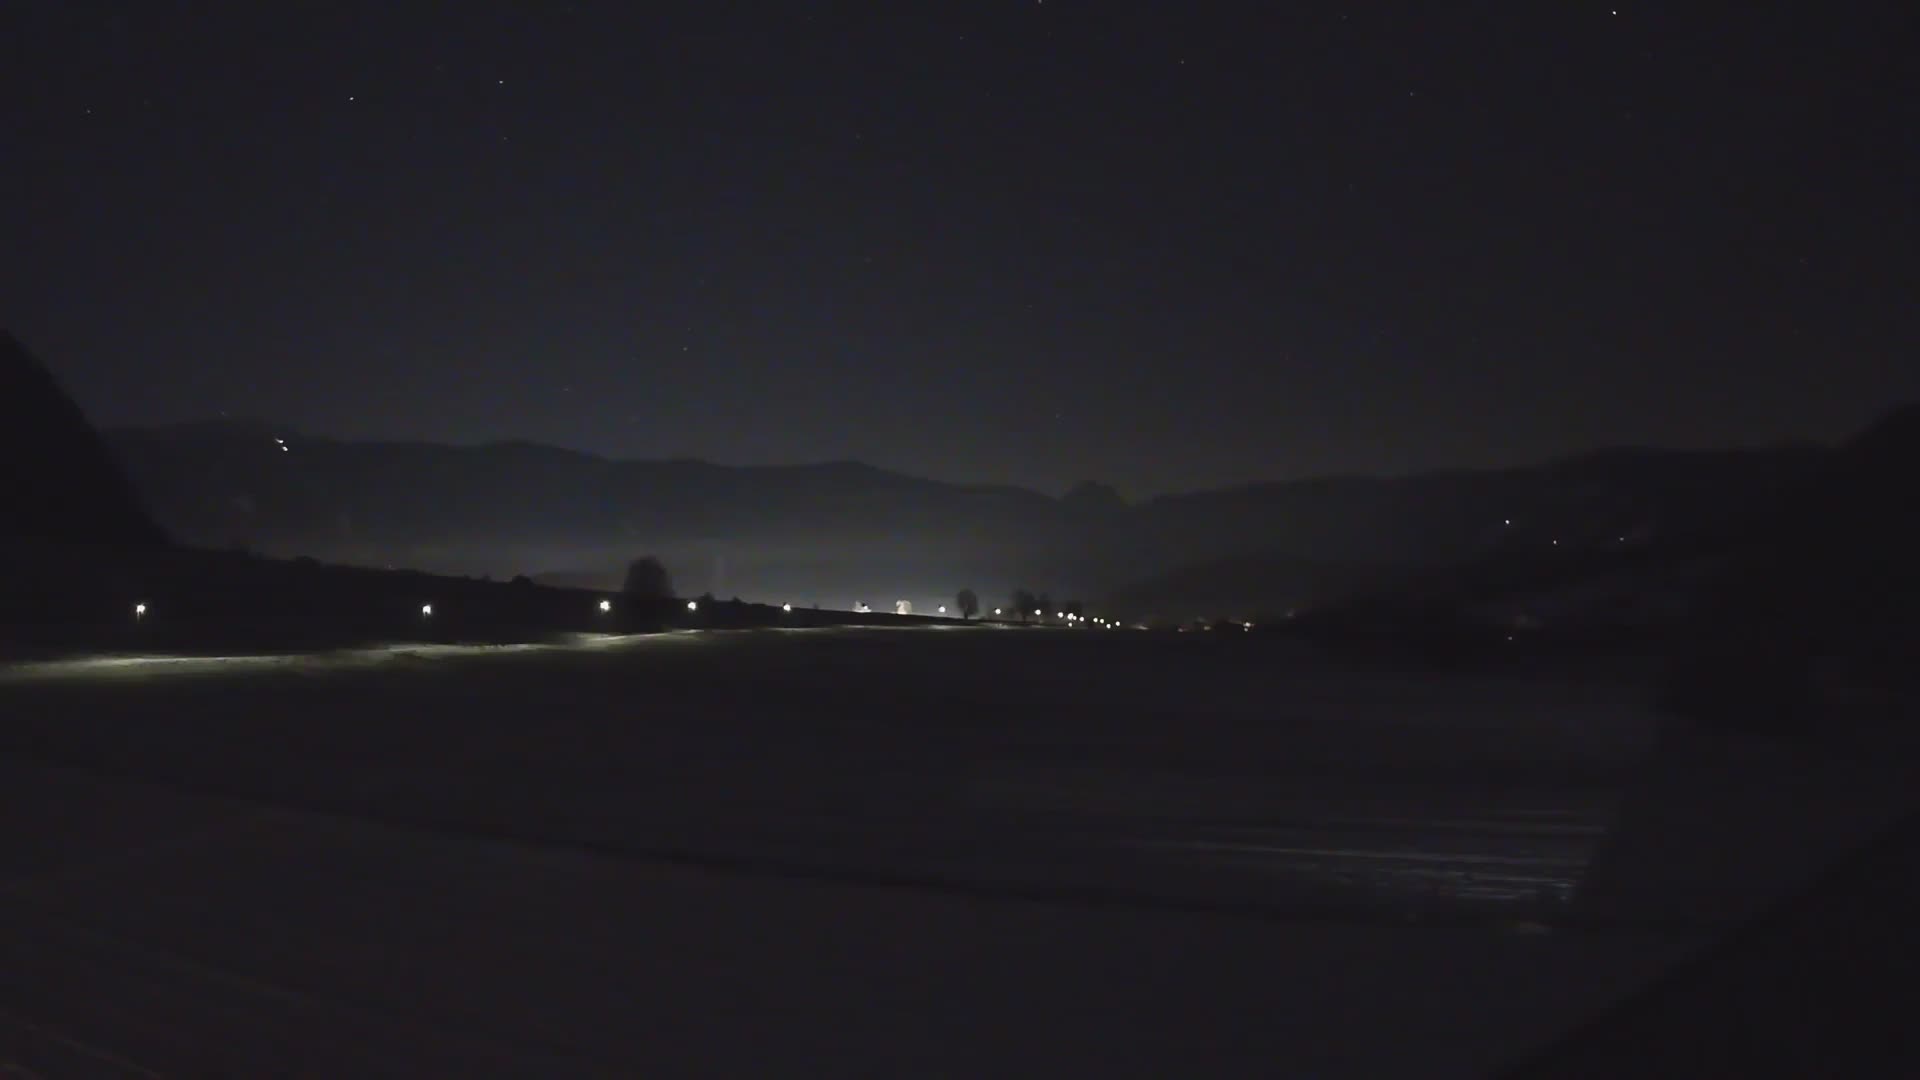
pixel 606 606
pixel 426 610
pixel 1110 624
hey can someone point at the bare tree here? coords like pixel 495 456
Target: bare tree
pixel 647 580
pixel 968 603
pixel 1025 604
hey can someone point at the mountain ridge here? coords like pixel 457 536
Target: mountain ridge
pixel 842 531
pixel 1610 454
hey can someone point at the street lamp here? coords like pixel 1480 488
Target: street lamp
pixel 140 611
pixel 693 605
pixel 606 605
pixel 786 607
pixel 426 611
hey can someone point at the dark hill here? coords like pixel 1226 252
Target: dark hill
pixel 60 483
pixel 1449 537
pixel 1822 608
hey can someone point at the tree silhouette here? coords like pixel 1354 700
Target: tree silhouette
pixel 1024 603
pixel 1046 606
pixel 968 603
pixel 647 580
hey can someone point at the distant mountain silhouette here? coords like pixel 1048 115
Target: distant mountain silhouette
pixel 58 480
pixel 841 531
pixel 1447 537
pixel 827 532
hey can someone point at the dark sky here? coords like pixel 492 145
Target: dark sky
pixel 1164 245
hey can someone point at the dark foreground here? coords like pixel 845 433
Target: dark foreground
pixel 926 852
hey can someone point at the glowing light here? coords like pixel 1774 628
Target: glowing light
pixel 943 609
pixel 996 611
pixel 606 605
pixel 693 605
pixel 139 611
pixel 1037 615
pixel 426 611
pixel 786 607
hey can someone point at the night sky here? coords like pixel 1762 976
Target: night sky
pixel 1151 244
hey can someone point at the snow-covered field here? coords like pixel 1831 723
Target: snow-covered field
pixel 1238 773
pixel 1253 844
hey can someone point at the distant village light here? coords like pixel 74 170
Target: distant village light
pixel 943 609
pixel 426 611
pixel 139 611
pixel 606 605
pixel 786 607
pixel 693 605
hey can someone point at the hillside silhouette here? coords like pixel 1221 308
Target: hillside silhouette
pixel 1817 611
pixel 61 484
pixel 1448 537
pixel 840 531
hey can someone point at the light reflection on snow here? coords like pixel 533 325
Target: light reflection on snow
pixel 121 666
pixel 86 667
